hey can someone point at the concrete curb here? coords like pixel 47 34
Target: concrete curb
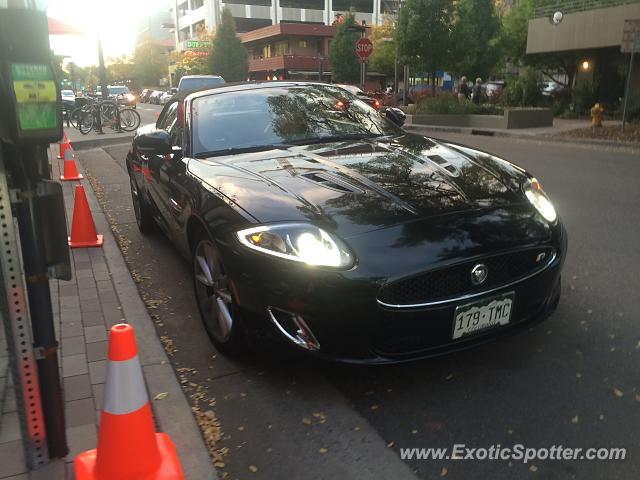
pixel 539 137
pixel 173 414
pixel 89 143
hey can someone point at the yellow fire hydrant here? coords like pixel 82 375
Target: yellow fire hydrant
pixel 596 115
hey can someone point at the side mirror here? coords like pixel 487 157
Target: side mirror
pixel 396 115
pixel 154 143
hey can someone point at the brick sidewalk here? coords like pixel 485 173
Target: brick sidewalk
pixel 84 309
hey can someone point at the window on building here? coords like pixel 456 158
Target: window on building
pixel 389 6
pixel 267 51
pixel 363 6
pixel 302 43
pixel 195 4
pixel 199 29
pixel 262 3
pixel 248 24
pixel 282 48
pixel 182 9
pixel 184 34
pixel 309 4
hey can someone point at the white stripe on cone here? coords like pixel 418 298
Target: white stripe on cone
pixel 125 391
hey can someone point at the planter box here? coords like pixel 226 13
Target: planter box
pixel 512 118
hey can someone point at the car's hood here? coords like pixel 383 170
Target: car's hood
pixel 357 186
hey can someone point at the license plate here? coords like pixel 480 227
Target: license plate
pixel 482 314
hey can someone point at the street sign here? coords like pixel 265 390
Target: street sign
pixel 631 36
pixel 364 48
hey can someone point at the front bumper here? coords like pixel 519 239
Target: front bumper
pixel 341 309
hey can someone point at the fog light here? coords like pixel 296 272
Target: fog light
pixel 294 328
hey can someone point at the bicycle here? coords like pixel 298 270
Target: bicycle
pixel 107 113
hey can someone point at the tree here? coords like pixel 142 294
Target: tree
pixel 515 25
pixel 151 63
pixel 345 65
pixel 120 69
pixel 383 59
pixel 228 57
pixel 474 37
pixel 423 34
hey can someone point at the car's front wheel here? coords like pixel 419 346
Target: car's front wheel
pixel 216 304
pixel 142 211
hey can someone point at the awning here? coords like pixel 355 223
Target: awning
pixel 56 27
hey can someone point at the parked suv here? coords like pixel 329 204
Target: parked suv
pixel 193 82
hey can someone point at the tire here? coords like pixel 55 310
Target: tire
pixel 142 211
pixel 85 122
pixel 211 287
pixel 129 119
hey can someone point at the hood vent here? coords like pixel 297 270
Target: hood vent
pixel 444 164
pixel 331 181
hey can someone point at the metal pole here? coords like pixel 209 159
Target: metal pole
pixel 362 63
pixel 628 85
pixel 406 85
pixel 102 72
pixel 34 167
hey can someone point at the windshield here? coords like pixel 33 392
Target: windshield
pixel 200 82
pixel 281 116
pixel 117 90
pixel 67 93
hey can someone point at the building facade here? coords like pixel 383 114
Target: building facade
pixel 592 32
pixel 191 16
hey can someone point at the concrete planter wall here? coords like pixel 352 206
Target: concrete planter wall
pixel 512 118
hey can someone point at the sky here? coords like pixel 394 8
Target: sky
pixel 116 20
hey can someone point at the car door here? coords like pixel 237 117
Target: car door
pixel 159 167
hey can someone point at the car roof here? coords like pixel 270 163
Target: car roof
pixel 200 76
pixel 238 87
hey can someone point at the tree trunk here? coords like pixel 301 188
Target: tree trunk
pixel 433 82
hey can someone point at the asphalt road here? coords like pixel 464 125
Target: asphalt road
pixel 571 381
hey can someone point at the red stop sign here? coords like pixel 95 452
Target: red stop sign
pixel 364 48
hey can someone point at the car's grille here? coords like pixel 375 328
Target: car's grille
pixel 455 281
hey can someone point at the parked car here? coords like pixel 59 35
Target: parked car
pixel 194 82
pixel 551 88
pixel 68 97
pixel 119 93
pixel 357 91
pixel 145 94
pixel 315 224
pixel 165 97
pixel 155 97
pixel 493 89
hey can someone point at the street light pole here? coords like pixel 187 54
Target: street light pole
pixel 102 72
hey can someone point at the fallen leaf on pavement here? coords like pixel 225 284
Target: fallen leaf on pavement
pixel 533 468
pixel 618 393
pixel 306 421
pixel 161 396
pixel 323 450
pixel 374 407
pixel 253 468
pixel 443 472
pixel 574 419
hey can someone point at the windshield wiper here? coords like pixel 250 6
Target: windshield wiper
pixel 236 150
pixel 335 138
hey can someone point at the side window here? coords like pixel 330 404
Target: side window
pixel 175 133
pixel 167 117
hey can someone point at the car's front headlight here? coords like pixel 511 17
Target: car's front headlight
pixel 535 194
pixel 131 97
pixel 300 242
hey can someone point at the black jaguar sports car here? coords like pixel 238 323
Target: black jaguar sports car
pixel 313 220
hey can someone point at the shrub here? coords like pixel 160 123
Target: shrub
pixel 449 104
pixel 524 91
pixel 584 97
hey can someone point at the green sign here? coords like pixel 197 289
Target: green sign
pixel 198 44
pixel 36 97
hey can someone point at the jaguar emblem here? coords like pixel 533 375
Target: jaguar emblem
pixel 479 274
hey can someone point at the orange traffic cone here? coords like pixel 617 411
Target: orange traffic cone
pixel 83 230
pixel 128 447
pixel 63 146
pixel 70 170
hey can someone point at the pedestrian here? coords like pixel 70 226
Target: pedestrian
pixel 477 91
pixel 463 90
